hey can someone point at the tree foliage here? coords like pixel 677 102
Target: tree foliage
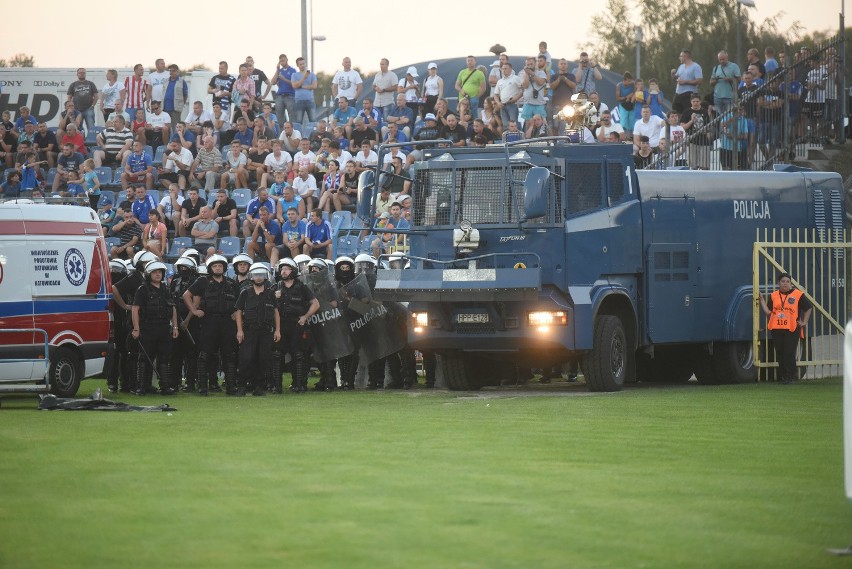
pixel 702 26
pixel 19 60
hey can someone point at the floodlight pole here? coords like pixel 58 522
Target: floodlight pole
pixel 639 37
pixel 305 29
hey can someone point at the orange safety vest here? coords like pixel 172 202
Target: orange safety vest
pixel 785 310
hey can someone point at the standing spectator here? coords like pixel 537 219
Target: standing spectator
pixel 645 154
pixel 655 98
pixel 725 76
pixel 688 77
pixel 285 95
pixel 748 95
pixel 259 78
pixel 753 58
pixel 471 83
pixel 672 137
pixel 220 87
pixel 305 83
pixel 586 74
pixel 734 138
pixel 693 120
pixel 563 84
pixel 410 87
pixel 507 93
pixel 157 79
pixel 535 91
pixel 815 83
pixel 770 64
pixel 176 94
pixel 110 94
pixel 625 96
pixel 433 89
pixel 91 183
pixel 244 89
pixel 384 86
pixel 84 93
pixel 135 91
pixel 649 125
pixel 347 83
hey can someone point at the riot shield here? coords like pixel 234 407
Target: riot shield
pixel 376 328
pixel 329 326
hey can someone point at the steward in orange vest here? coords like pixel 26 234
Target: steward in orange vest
pixel 788 311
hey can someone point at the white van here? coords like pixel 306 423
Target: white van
pixel 55 292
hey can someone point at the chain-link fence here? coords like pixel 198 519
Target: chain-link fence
pixel 772 120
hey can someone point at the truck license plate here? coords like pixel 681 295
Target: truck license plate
pixel 473 318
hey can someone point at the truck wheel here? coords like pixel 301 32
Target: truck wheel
pixel 464 372
pixel 606 365
pixel 65 373
pixel 734 362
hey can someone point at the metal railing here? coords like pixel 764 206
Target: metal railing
pixel 800 107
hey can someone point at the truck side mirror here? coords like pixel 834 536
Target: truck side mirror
pixel 366 190
pixel 535 192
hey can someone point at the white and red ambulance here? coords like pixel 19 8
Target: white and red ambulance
pixel 55 322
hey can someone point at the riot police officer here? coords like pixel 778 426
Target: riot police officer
pixel 296 304
pixel 117 270
pixel 343 274
pixel 213 300
pixel 155 326
pixel 123 294
pixel 241 264
pixel 402 364
pixel 184 352
pixel 366 264
pixel 258 326
pixel 302 263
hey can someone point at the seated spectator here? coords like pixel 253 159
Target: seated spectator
pixel 31 175
pixel 336 153
pixel 154 234
pixel 170 207
pixel 277 161
pixel 197 117
pixel 138 168
pixel 454 132
pixel 265 237
pixel 317 237
pixel 643 158
pixel 608 127
pixel 11 186
pixel 649 125
pixel 306 187
pixel 75 138
pixel 138 126
pixel 106 215
pixel 398 181
pixel 129 232
pixel 119 112
pixel 68 168
pixel 344 116
pixel 394 132
pixel 340 139
pixel 367 158
pixel 321 133
pixel 292 234
pixel 393 152
pixel 207 166
pixel 361 132
pixel 261 132
pixel 225 213
pixel 289 199
pixel 158 125
pixel 243 134
pixel 290 138
pixel 257 161
pixel 143 205
pixel 235 168
pixel 388 242
pixel 429 132
pixel 184 137
pixel 269 119
pixel 371 116
pixel 45 144
pixel 115 143
pixel 252 215
pixel 177 163
pixel 8 146
pixel 276 190
pixel 68 117
pixel 190 212
pixel 536 127
pixel 350 183
pixel 479 129
pixel 331 184
pixel 304 158
pixel 205 231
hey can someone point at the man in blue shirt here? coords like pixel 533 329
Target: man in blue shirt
pixel 318 237
pixel 253 209
pixel 305 83
pixel 143 204
pixel 265 237
pixel 402 116
pixel 285 98
pixel 292 234
pixel 344 116
pixel 138 168
pixel 24 118
pixel 244 135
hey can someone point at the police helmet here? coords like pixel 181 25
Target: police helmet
pixel 192 254
pixel 259 270
pixel 187 263
pixel 302 262
pixel 241 258
pixel 202 270
pixel 286 262
pixel 213 259
pixel 156 266
pixel 141 259
pixel 396 261
pixel 365 263
pixel 117 266
pixel 344 259
pixel 316 265
pixel 127 263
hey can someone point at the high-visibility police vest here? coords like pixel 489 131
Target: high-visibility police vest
pixel 785 310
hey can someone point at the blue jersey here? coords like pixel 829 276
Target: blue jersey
pixel 138 162
pixel 89 183
pixel 254 206
pixel 294 233
pixel 142 207
pixel 317 234
pixel 285 88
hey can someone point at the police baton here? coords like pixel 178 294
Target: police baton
pixel 153 367
pixel 188 333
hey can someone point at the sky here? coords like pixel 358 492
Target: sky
pixel 199 34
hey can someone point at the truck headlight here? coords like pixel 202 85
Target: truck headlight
pixel 543 320
pixel 421 321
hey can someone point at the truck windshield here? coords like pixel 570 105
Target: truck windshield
pixel 448 194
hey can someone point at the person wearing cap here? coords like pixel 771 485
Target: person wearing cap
pixel 433 88
pixel 384 86
pixel 106 214
pixel 344 116
pixel 401 116
pixel 471 83
pixel 410 87
pixel 428 132
pixel 347 83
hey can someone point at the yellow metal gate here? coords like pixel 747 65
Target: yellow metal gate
pixel 817 261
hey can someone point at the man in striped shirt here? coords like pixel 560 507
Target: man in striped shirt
pixel 114 144
pixel 134 93
pixel 207 165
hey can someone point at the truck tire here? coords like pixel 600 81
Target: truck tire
pixel 65 373
pixel 606 366
pixel 459 374
pixel 734 362
pixel 669 365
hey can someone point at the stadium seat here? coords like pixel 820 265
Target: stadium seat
pixel 116 179
pixel 178 243
pixel 156 195
pixel 92 136
pixel 158 155
pixel 106 194
pixel 345 220
pixel 149 150
pixel 51 174
pixel 346 245
pixel 229 246
pixel 112 242
pixel 366 244
pixel 242 196
pixel 298 126
pixel 104 175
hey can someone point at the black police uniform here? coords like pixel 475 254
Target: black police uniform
pixel 127 288
pixel 185 350
pixel 156 308
pixel 115 368
pixel 258 314
pixel 293 302
pixel 218 330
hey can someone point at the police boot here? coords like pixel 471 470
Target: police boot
pixel 203 373
pixel 231 380
pixel 141 372
pixel 166 380
pixel 376 377
pixel 348 367
pixel 330 375
pixel 275 373
pixel 300 374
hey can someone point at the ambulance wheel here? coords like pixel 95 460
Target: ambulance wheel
pixel 65 373
pixel 734 362
pixel 606 366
